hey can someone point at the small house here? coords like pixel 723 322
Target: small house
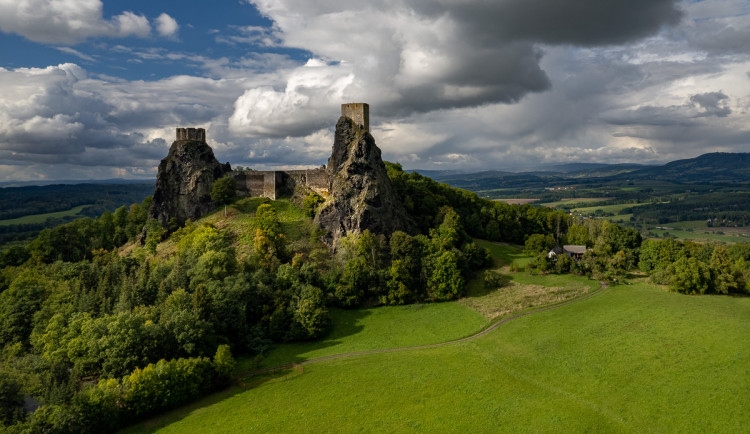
pixel 573 251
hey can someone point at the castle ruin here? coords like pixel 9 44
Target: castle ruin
pixel 359 195
pixel 276 183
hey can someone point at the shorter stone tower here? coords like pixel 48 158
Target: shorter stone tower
pixel 359 112
pixel 192 134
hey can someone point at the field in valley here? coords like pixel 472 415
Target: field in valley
pixel 41 218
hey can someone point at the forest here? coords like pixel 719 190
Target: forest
pixel 98 331
pixel 18 203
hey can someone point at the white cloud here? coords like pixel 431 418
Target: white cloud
pixel 69 22
pixel 76 53
pixel 447 87
pixel 167 26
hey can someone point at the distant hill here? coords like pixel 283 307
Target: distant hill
pixel 713 168
pixel 92 198
pixel 716 167
pixel 595 167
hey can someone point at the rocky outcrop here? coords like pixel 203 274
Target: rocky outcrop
pixel 361 194
pixel 184 181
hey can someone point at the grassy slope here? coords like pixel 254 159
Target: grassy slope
pixel 634 358
pixel 41 218
pixel 384 327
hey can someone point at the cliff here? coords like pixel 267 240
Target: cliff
pixel 361 194
pixel 184 181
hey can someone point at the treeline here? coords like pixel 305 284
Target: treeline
pixel 482 218
pixel 722 208
pixel 18 202
pixel 21 201
pixel 81 238
pixel 693 268
pixel 111 403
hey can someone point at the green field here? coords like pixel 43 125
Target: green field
pixel 41 218
pixel 614 209
pixel 631 359
pixel 575 201
pixel 384 327
pixel 701 235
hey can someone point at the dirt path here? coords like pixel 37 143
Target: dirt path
pixel 424 347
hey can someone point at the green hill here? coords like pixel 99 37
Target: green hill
pixel 634 358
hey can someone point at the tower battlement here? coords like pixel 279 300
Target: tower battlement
pixel 359 112
pixel 194 134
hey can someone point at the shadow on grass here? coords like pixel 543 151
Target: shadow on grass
pixel 477 288
pixel 240 385
pixel 250 204
pixel 345 323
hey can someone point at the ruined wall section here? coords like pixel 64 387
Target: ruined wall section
pixel 314 179
pixel 277 183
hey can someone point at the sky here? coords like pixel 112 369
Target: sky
pixel 94 89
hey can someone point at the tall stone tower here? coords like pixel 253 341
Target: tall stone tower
pixel 192 134
pixel 359 112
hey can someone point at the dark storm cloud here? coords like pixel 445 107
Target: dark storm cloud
pixel 712 103
pixel 577 22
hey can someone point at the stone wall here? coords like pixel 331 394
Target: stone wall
pixel 276 183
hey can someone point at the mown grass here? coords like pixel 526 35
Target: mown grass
pixel 631 359
pixel 383 327
pixel 505 254
pixel 42 218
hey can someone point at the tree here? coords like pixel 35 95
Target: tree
pixel 11 399
pixel 726 278
pixel 578 235
pixel 223 362
pixel 445 282
pixel 154 232
pixel 538 244
pixel 223 191
pixel 689 276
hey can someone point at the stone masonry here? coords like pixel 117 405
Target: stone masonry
pixel 359 112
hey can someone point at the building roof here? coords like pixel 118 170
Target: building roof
pixel 573 249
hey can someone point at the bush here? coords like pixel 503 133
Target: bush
pixel 224 363
pixel 492 279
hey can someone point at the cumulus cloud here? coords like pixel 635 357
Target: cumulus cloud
pixel 69 22
pixel 59 115
pixel 167 26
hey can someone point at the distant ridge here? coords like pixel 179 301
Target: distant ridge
pixel 716 167
pixel 711 168
pixel 40 182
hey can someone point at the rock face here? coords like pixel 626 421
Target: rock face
pixel 184 180
pixel 361 195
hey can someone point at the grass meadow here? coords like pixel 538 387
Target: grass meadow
pixel 633 358
pixel 384 327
